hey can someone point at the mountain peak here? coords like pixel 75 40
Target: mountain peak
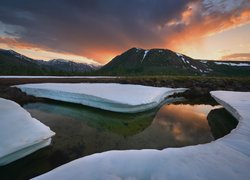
pixel 154 61
pixel 16 54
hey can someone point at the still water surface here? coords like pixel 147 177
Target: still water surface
pixel 82 131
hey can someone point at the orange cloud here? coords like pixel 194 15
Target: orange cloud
pixel 211 24
pixel 237 56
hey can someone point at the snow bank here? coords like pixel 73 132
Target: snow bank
pixel 108 96
pixel 20 134
pixel 226 158
pixel 145 54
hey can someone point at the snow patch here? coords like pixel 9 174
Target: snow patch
pixel 182 58
pixel 57 77
pixel 232 64
pixel 179 55
pixel 145 54
pixel 225 158
pixel 109 96
pixel 20 133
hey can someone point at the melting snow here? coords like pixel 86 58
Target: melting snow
pixel 182 58
pixel 204 62
pixel 232 64
pixel 59 77
pixel 178 54
pixel 193 67
pixel 145 54
pixel 113 97
pixel 225 158
pixel 20 133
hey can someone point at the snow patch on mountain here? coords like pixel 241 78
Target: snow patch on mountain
pixel 194 67
pixel 232 64
pixel 182 58
pixel 20 134
pixel 145 54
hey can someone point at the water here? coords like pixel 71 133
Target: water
pixel 82 131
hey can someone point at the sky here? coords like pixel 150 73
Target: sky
pixel 98 30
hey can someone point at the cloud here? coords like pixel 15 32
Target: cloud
pixel 100 29
pixel 207 18
pixel 237 56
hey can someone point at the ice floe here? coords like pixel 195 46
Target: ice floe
pixel 108 96
pixel 183 59
pixel 226 158
pixel 57 77
pixel 203 61
pixel 20 133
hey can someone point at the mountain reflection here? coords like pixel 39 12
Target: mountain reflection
pixel 183 124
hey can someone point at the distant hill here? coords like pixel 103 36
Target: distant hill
pixel 68 66
pixel 138 61
pixel 13 63
pixel 135 61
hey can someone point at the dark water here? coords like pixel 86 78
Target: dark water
pixel 82 131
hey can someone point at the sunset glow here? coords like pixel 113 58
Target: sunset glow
pixel 98 31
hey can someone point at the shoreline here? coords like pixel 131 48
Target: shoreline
pixel 199 87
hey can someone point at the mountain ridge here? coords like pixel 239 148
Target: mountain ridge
pixel 134 61
pixel 14 63
pixel 137 61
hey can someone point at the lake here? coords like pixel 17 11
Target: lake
pixel 82 131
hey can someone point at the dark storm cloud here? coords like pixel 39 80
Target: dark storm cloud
pixel 85 26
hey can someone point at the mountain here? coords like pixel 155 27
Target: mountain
pixel 13 63
pixel 68 66
pixel 138 61
pixel 135 61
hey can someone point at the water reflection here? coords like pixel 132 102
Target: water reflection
pixel 182 125
pixel 82 131
pixel 220 127
pixel 119 123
